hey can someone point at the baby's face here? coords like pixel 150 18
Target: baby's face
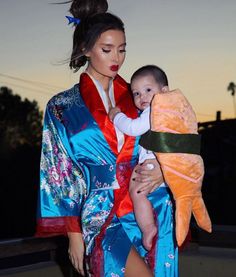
pixel 143 89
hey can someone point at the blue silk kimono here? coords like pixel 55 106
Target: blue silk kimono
pixel 84 183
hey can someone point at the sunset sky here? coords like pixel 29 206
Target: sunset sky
pixel 194 41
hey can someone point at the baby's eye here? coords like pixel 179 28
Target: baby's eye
pixel 106 50
pixel 135 94
pixel 148 89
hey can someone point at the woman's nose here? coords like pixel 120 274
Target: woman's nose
pixel 115 56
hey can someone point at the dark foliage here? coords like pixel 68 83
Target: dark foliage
pixel 219 154
pixel 20 139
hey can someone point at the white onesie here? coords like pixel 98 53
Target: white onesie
pixel 136 127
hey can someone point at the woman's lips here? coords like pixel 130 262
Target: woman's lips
pixel 114 67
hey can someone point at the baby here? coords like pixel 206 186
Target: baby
pixel 176 144
pixel 143 87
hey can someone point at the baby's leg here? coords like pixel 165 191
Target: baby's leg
pixel 144 215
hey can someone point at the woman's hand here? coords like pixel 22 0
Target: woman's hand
pixel 147 176
pixel 76 251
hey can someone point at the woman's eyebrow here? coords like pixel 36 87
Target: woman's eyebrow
pixel 110 45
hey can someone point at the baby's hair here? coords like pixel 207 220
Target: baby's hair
pixel 158 74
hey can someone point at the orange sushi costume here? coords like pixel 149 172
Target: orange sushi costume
pixel 175 141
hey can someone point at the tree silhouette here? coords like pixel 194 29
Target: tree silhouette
pixel 20 120
pixel 231 87
pixel 20 142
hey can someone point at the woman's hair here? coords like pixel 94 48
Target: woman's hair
pixel 158 74
pixel 95 20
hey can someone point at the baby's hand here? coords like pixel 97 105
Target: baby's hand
pixel 113 112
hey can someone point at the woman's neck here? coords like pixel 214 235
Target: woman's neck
pixel 106 93
pixel 103 80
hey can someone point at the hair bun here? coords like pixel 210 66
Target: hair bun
pixel 84 8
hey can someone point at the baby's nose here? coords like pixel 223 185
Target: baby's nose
pixel 142 96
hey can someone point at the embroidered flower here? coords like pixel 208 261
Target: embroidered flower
pixel 45 186
pixel 67 99
pixel 171 256
pixel 114 275
pixel 71 193
pixel 60 178
pixel 54 177
pixel 101 199
pixel 105 213
pixel 98 184
pixel 72 205
pixel 167 264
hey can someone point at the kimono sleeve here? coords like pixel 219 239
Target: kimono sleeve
pixel 62 185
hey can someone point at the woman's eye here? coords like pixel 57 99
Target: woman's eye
pixel 122 50
pixel 106 50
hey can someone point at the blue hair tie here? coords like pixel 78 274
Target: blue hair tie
pixel 73 20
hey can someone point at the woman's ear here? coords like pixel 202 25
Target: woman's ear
pixel 86 53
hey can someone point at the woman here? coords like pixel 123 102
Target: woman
pixel 86 163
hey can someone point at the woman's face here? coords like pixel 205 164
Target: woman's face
pixel 107 55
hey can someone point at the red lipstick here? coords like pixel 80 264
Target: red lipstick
pixel 114 68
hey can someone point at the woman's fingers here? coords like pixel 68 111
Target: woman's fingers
pixel 147 177
pixel 148 187
pixel 150 175
pixel 81 267
pixel 155 186
pixel 77 264
pixel 76 251
pixel 138 185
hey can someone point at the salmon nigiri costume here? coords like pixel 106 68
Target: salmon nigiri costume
pixel 175 141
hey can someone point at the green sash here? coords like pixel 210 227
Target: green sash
pixel 171 143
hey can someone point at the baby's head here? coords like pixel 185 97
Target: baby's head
pixel 145 82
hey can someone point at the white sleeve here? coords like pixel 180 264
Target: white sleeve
pixel 133 127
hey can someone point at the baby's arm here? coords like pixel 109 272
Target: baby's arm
pixel 113 112
pixel 131 127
